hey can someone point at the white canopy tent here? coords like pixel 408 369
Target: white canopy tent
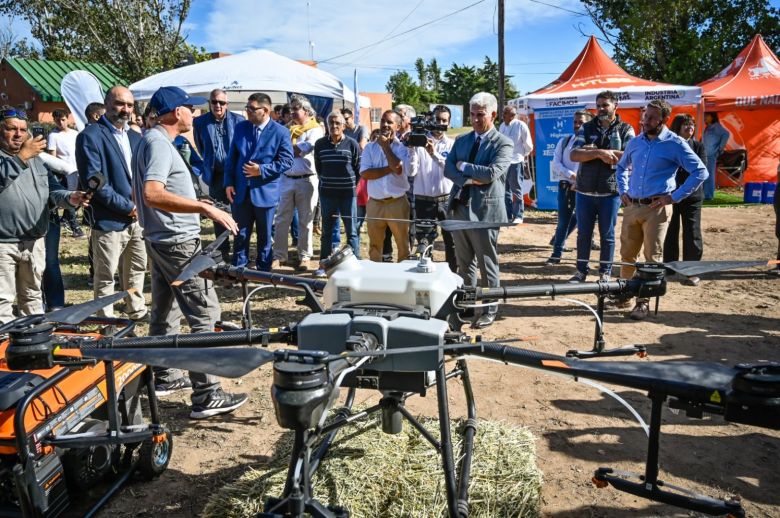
pixel 257 70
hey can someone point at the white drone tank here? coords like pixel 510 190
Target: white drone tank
pixel 408 283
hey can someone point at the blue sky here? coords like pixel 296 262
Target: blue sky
pixel 542 36
pixel 540 40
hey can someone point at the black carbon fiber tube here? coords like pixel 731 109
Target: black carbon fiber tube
pixel 552 290
pixel 220 339
pixel 234 273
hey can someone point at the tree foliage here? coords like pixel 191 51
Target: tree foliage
pixel 139 37
pixel 11 46
pixel 454 86
pixel 682 41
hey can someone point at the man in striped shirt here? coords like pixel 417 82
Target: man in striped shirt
pixel 337 162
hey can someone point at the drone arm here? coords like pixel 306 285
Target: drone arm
pixel 240 274
pixel 190 341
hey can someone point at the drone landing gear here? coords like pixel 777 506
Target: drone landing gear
pixel 297 500
pixel 599 343
pixel 652 488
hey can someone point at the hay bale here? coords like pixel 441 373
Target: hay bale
pixel 375 474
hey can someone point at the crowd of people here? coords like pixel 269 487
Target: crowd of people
pixel 280 171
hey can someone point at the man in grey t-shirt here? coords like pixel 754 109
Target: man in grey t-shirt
pixel 169 213
pixel 358 133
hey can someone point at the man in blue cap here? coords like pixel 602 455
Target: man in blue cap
pixel 170 215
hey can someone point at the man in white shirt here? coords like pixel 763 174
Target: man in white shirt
pixel 62 144
pixel 520 135
pixel 566 171
pixel 382 166
pixel 431 187
pixel 299 185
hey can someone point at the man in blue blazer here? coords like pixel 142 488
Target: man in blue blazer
pixel 107 148
pixel 213 133
pixel 261 150
pixel 477 165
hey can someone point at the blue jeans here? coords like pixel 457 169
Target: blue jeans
pixel 567 217
pixel 294 225
pixel 589 210
pixel 709 183
pixel 347 209
pixel 515 207
pixel 52 286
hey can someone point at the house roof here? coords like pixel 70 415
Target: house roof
pixel 45 76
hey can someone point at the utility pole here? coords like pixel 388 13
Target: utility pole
pixel 501 80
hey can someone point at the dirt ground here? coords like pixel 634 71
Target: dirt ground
pixel 731 317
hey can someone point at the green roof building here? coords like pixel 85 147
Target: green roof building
pixel 34 84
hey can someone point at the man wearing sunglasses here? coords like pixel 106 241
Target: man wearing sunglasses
pixel 26 189
pixel 213 135
pixel 107 148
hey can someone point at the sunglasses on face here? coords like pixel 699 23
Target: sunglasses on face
pixel 252 109
pixel 221 103
pixel 13 113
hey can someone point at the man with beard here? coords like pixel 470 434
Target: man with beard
pixel 651 188
pixel 107 148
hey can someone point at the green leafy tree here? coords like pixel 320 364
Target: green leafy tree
pixel 139 37
pixel 422 73
pixel 434 75
pixel 404 89
pixel 682 41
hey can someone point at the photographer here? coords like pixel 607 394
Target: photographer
pixel 426 163
pixel 26 188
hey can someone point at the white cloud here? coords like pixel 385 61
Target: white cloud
pixel 243 24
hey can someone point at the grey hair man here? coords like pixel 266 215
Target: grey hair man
pixel 298 188
pixel 477 165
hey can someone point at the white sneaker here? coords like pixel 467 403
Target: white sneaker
pixel 517 221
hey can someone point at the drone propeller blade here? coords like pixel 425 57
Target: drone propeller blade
pixel 201 262
pixel 453 225
pixel 229 362
pixel 696 268
pixel 79 312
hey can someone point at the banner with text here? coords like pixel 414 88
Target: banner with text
pixel 550 124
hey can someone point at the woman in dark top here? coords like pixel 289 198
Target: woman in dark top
pixel 688 211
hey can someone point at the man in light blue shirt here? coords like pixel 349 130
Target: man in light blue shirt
pixel 648 191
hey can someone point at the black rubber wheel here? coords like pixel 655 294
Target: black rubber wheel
pixel 153 457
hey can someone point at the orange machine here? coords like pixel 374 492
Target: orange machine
pixel 66 425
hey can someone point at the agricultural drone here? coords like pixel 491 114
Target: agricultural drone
pixel 391 327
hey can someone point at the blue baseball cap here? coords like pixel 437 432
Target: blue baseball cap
pixel 168 98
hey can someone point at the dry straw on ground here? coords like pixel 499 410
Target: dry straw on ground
pixel 374 474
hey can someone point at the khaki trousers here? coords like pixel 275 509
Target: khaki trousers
pixel 21 271
pixel 392 208
pixel 642 227
pixel 122 251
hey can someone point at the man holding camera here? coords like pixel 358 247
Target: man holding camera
pixel 431 188
pixel 477 166
pixel 26 188
pixel 107 148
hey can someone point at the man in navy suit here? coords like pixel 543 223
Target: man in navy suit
pixel 477 165
pixel 213 133
pixel 107 148
pixel 261 150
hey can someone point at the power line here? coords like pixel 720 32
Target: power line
pixel 405 32
pixel 561 8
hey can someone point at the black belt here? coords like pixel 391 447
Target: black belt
pixel 431 198
pixel 644 201
pixel 297 177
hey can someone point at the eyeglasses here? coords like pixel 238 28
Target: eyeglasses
pixel 13 113
pixel 221 103
pixel 252 109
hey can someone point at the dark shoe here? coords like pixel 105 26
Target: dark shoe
pixel 303 265
pixel 77 232
pixel 578 277
pixel 485 320
pixel 143 319
pixel 553 260
pixel 387 258
pixel 690 281
pixel 166 389
pixel 219 402
pixel 641 310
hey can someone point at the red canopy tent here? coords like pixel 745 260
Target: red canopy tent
pixel 746 95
